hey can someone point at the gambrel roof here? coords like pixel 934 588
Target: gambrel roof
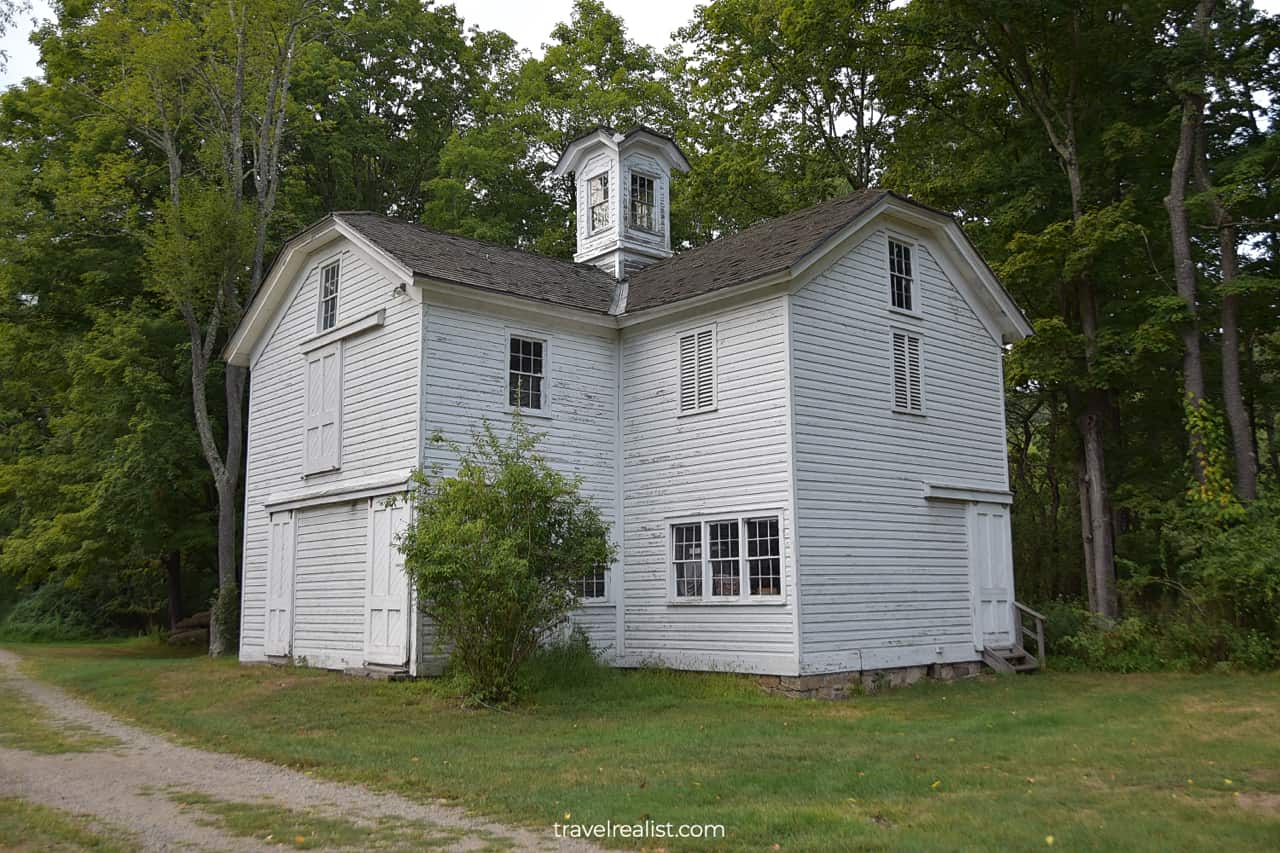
pixel 772 249
pixel 765 248
pixel 475 263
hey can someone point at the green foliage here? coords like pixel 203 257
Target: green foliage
pixel 495 553
pixel 83 608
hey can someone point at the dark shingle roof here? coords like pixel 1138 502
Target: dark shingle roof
pixel 762 249
pixel 462 260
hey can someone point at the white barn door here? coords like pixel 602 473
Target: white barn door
pixel 991 561
pixel 386 636
pixel 279 628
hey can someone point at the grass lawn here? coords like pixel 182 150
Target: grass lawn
pixel 1141 762
pixel 27 826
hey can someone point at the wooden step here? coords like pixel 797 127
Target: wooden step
pixel 1010 661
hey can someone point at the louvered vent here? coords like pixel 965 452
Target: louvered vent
pixel 698 371
pixel 908 393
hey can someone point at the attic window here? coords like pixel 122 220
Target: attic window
pixel 643 209
pixel 599 192
pixel 908 395
pixel 698 371
pixel 901 282
pixel 329 275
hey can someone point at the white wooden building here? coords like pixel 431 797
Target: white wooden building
pixel 797 431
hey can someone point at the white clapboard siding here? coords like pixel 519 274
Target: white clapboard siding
pixel 379 408
pixel 466 382
pixel 329 584
pixel 730 460
pixel 884 573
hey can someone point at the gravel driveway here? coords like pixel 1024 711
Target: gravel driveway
pixel 132 786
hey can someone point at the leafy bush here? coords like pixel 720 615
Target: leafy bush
pixel 495 555
pixel 224 611
pixel 58 611
pixel 1185 639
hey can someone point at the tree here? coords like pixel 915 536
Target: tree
pixel 496 552
pixel 207 86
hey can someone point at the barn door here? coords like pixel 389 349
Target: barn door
pixel 386 636
pixel 279 629
pixel 991 561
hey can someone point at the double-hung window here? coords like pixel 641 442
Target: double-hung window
pixel 329 275
pixel 598 189
pixel 908 382
pixel 901 277
pixel 643 203
pixel 526 379
pixel 698 371
pixel 727 559
pixel 590 587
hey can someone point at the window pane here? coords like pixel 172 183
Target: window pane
pixel 592 585
pixel 526 376
pixel 686 544
pixel 900 277
pixel 722 546
pixel 764 556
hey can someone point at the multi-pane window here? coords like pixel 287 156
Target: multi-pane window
pixel 329 275
pixel 527 378
pixel 591 585
pixel 722 542
pixel 901 279
pixel 698 371
pixel 643 207
pixel 908 391
pixel 728 558
pixel 764 556
pixel 598 187
pixel 686 544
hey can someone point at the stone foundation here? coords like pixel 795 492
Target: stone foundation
pixel 844 685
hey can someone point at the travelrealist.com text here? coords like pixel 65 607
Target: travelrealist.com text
pixel 643 829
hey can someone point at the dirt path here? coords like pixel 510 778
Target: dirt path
pixel 133 785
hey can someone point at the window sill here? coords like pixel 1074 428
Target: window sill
pixel 536 414
pixel 696 412
pixel 909 413
pixel 903 312
pixel 595 602
pixel 759 601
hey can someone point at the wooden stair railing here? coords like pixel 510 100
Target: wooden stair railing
pixel 1037 634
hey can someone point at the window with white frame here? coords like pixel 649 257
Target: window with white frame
pixel 698 371
pixel 598 191
pixel 901 278
pixel 908 390
pixel 591 585
pixel 643 208
pixel 736 558
pixel 526 380
pixel 329 275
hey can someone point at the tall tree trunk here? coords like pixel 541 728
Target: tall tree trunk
pixel 1239 421
pixel 228 487
pixel 1086 536
pixel 173 578
pixel 1184 268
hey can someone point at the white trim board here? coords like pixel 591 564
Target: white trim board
pixel 967 494
pixel 346 330
pixel 340 492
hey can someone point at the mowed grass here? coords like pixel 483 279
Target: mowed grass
pixel 26 826
pixel 24 724
pixel 1072 761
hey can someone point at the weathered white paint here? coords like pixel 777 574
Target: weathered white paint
pixel 386 599
pixel 379 405
pixel 731 460
pixel 466 383
pixel 991 565
pixel 280 568
pixel 884 573
pixel 874 505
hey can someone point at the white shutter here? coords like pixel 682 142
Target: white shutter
pixel 908 393
pixel 323 420
pixel 698 370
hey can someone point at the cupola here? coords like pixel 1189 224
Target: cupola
pixel 623 183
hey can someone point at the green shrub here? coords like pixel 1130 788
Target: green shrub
pixel 57 611
pixel 224 611
pixel 495 554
